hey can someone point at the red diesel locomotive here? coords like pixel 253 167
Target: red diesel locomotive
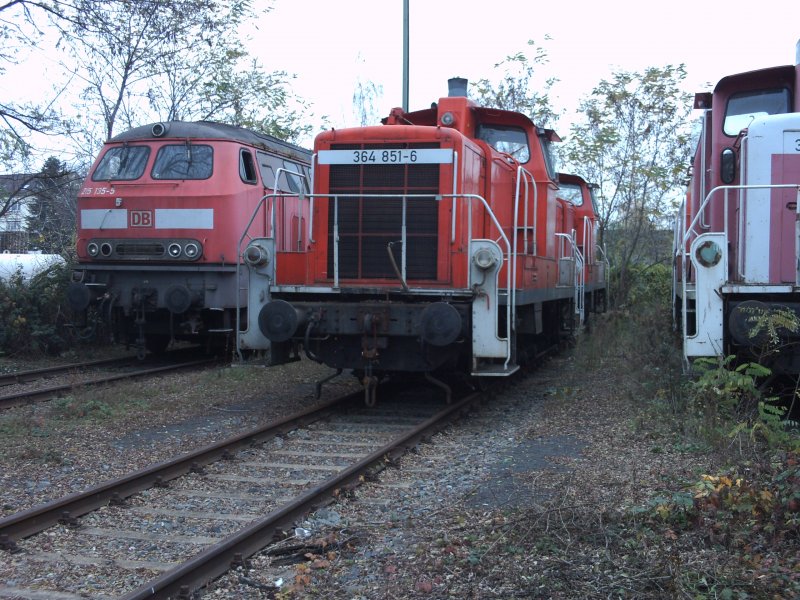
pixel 577 214
pixel 737 242
pixel 159 218
pixel 435 242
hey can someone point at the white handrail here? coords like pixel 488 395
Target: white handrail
pixel 246 235
pixel 726 188
pixel 578 278
pixel 509 259
pixel 275 193
pixel 523 177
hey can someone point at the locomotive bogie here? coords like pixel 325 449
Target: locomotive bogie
pixel 748 334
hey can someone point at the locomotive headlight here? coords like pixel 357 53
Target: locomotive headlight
pixel 484 259
pixel 105 249
pixel 448 119
pixel 159 129
pixel 92 248
pixel 174 250
pixel 191 250
pixel 708 253
pixel 256 256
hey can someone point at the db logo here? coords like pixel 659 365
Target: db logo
pixel 141 218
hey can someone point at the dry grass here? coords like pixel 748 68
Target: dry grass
pixel 626 518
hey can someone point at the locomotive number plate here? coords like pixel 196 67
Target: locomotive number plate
pixel 791 142
pixel 387 156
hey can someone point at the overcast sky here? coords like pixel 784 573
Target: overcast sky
pixel 329 44
pixel 332 44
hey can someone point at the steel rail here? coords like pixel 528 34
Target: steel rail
pixel 39 518
pixel 235 549
pixel 20 397
pixel 34 374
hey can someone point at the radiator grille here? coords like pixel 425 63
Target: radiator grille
pixel 151 249
pixel 367 225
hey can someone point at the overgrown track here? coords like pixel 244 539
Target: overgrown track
pixel 22 377
pixel 196 516
pixel 131 369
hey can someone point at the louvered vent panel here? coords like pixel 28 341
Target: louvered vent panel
pixel 138 248
pixel 367 225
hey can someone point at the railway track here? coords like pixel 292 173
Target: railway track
pixel 26 386
pixel 166 531
pixel 27 376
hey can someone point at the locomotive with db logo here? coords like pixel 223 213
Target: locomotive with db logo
pixel 437 242
pixel 159 220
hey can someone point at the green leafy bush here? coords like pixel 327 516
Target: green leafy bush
pixel 650 284
pixel 31 320
pixel 731 404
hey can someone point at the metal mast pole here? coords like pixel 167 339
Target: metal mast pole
pixel 405 55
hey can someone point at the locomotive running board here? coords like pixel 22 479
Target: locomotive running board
pixel 494 370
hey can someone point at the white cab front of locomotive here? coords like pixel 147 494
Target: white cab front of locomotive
pixel 771 156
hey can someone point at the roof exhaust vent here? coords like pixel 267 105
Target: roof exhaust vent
pixel 457 86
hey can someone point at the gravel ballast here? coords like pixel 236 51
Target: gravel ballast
pixel 449 521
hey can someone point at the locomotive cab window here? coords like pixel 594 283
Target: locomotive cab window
pixel 744 107
pixel 183 161
pixel 510 140
pixel 293 178
pixel 592 188
pixel 571 193
pixel 267 168
pixel 545 136
pixel 247 166
pixel 122 163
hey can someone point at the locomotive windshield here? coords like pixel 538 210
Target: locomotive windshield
pixel 122 163
pixel 184 161
pixel 511 140
pixel 745 106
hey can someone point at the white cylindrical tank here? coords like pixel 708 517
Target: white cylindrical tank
pixel 28 264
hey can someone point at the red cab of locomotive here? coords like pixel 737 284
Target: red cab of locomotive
pixel 433 244
pixel 737 246
pixel 159 217
pixel 580 217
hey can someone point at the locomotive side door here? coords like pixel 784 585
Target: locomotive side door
pixel 788 171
